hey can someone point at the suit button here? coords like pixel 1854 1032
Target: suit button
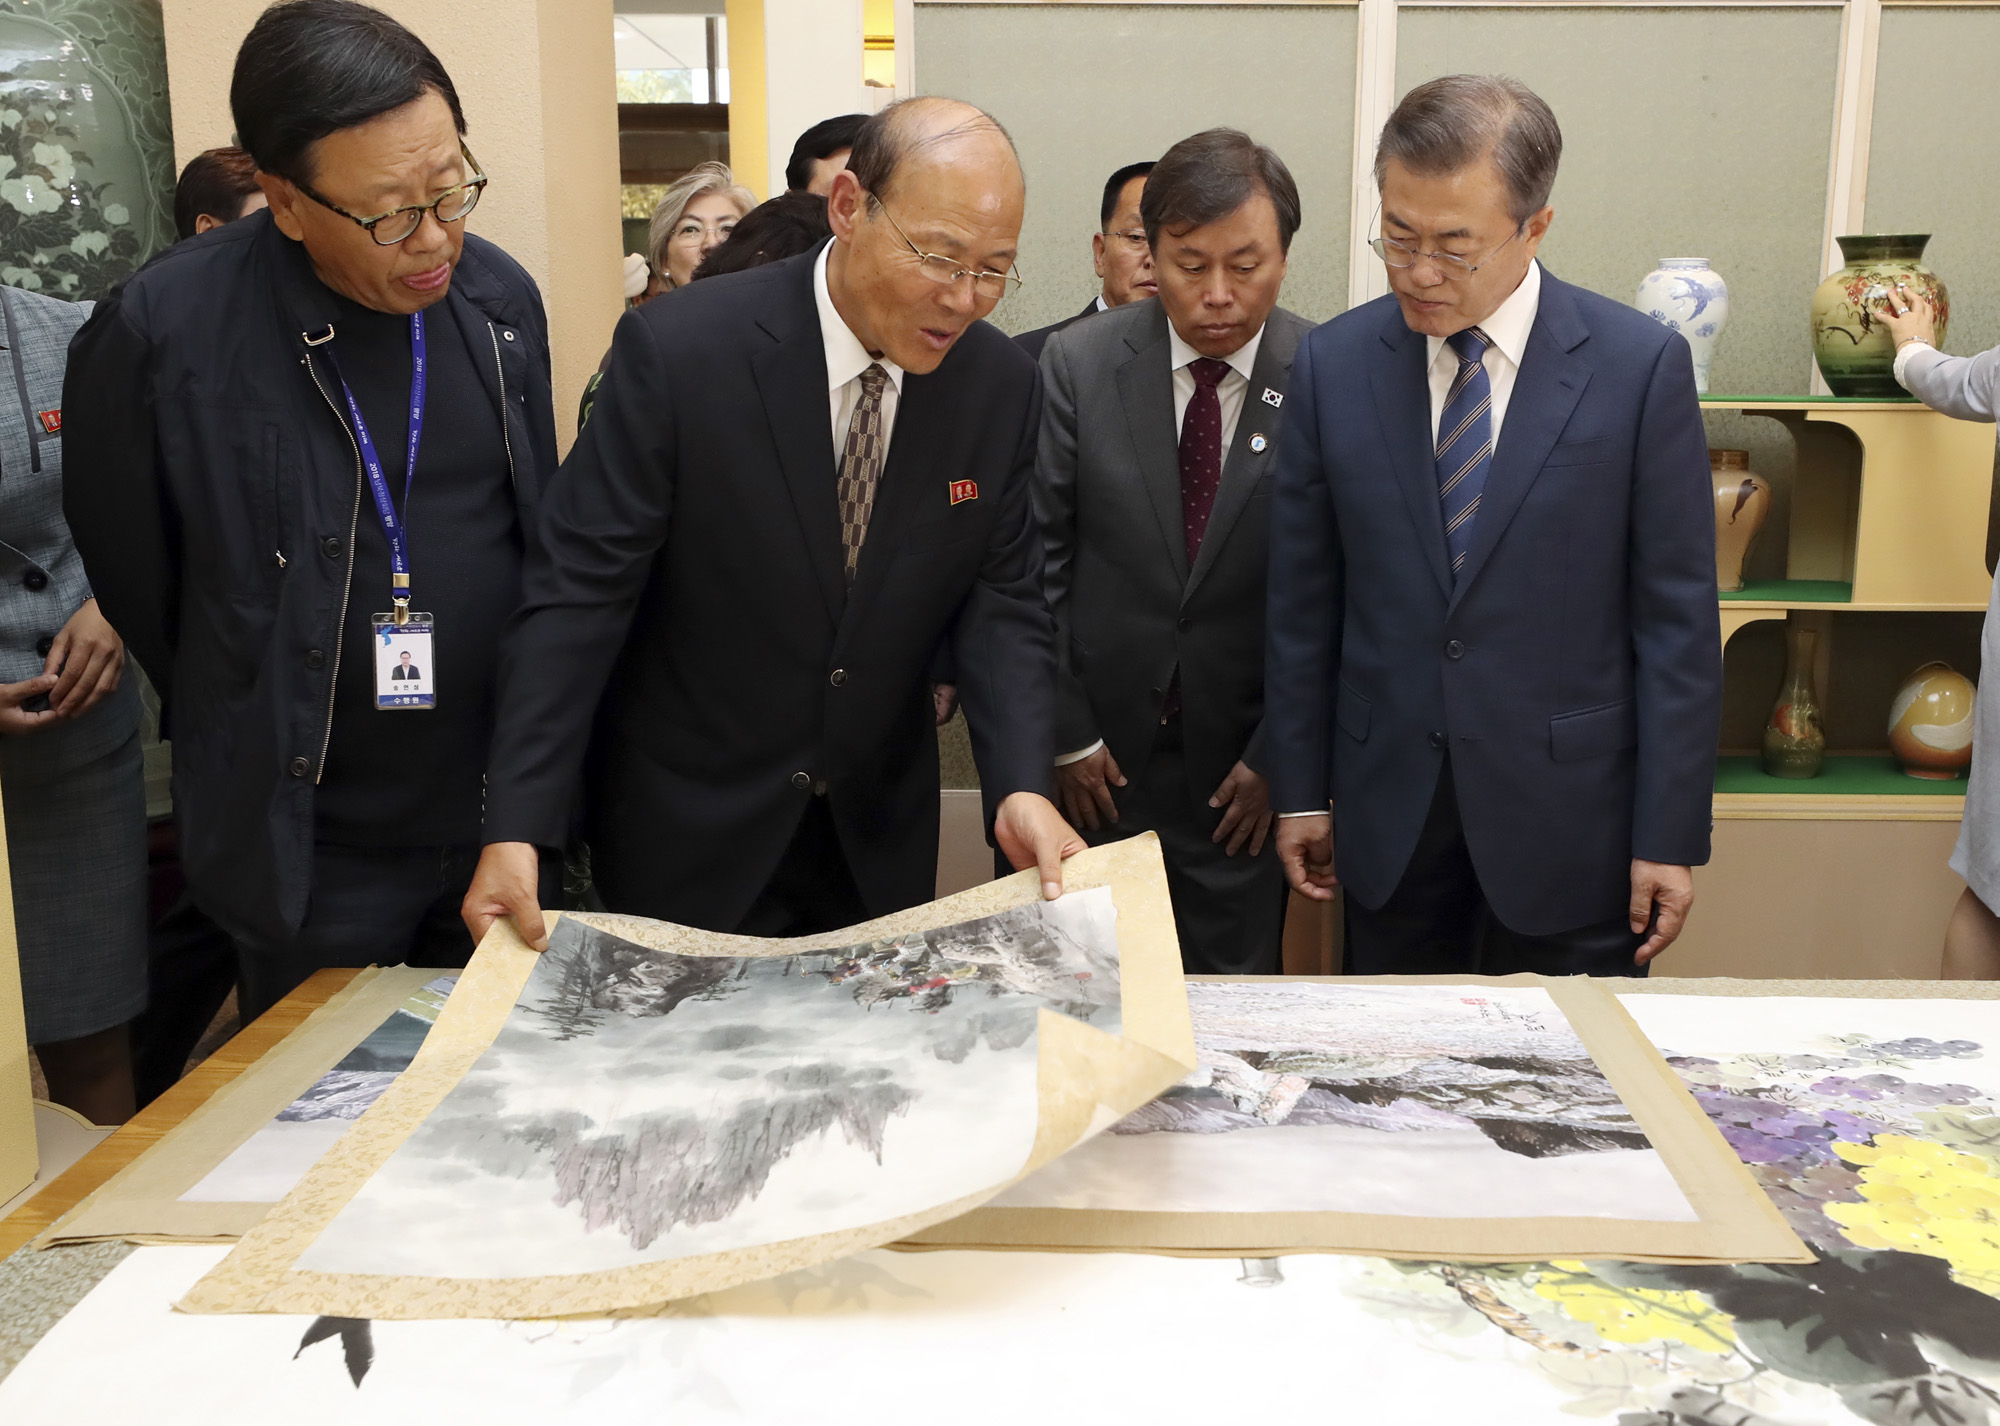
pixel 331 547
pixel 298 767
pixel 1184 625
pixel 837 677
pixel 802 780
pixel 315 659
pixel 45 645
pixel 34 581
pixel 1454 650
pixel 1438 741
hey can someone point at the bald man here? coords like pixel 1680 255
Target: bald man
pixel 796 480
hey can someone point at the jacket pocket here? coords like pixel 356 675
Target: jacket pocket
pixel 1594 732
pixel 1352 712
pixel 1591 452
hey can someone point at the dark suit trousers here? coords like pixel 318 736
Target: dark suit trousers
pixel 1437 922
pixel 812 890
pixel 1229 911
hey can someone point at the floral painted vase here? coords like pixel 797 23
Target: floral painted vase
pixel 1690 297
pixel 1930 722
pixel 1742 500
pixel 1795 738
pixel 1855 352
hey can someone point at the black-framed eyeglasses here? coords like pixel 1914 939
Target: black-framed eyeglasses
pixel 946 271
pixel 398 224
pixel 1454 267
pixel 1134 239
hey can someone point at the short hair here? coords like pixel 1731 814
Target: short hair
pixel 1449 124
pixel 1207 176
pixel 215 182
pixel 894 133
pixel 309 68
pixel 790 224
pixel 702 179
pixel 1115 185
pixel 823 140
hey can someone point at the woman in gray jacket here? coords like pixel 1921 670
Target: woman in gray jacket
pixel 1967 388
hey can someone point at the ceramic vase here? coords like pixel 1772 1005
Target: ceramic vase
pixel 1742 500
pixel 1930 722
pixel 1795 738
pixel 1689 296
pixel 1855 353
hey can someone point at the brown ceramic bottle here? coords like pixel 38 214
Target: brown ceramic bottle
pixel 1795 739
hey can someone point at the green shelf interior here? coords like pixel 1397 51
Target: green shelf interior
pixel 1813 400
pixel 1841 775
pixel 1794 591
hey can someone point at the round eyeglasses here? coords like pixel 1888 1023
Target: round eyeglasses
pixel 398 224
pixel 945 271
pixel 1454 267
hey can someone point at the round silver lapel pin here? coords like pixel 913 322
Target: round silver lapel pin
pixel 1257 443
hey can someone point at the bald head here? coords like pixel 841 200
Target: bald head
pixel 931 129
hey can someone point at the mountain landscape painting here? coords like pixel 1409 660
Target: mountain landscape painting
pixel 641 1105
pixel 1447 1101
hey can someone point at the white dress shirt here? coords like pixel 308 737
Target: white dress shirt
pixel 1509 326
pixel 846 359
pixel 1230 391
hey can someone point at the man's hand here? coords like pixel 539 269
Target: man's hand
pixel 944 701
pixel 1305 851
pixel 507 882
pixel 1085 789
pixel 1671 888
pixel 15 720
pixel 1907 314
pixel 1246 800
pixel 88 657
pixel 1029 831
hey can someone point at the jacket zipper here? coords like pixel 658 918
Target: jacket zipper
pixel 507 440
pixel 347 585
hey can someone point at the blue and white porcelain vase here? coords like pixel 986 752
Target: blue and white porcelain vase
pixel 1689 296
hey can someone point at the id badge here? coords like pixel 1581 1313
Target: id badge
pixel 405 662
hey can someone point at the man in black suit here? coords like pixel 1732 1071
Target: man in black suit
pixel 795 481
pixel 404 670
pixel 1158 440
pixel 1493 635
pixel 1119 251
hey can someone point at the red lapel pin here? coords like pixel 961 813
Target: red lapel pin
pixel 964 490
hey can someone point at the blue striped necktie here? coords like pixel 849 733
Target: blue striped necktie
pixel 1464 443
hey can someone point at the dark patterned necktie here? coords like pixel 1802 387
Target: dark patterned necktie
pixel 861 466
pixel 1465 443
pixel 1201 451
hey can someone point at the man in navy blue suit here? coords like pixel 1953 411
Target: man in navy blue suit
pixel 1493 650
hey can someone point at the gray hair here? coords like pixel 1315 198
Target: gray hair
pixel 1449 124
pixel 1207 176
pixel 697 182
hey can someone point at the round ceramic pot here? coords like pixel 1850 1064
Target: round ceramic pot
pixel 1930 722
pixel 1855 352
pixel 1742 500
pixel 1689 296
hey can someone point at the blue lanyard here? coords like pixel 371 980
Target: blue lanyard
pixel 395 529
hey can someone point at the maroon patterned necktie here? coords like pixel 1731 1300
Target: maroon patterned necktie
pixel 1201 451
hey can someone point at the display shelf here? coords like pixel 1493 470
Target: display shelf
pixel 1790 593
pixel 1867 787
pixel 1862 403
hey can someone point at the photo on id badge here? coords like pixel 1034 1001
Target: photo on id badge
pixel 405 667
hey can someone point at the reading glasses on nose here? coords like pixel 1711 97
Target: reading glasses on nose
pixel 946 271
pixel 1454 267
pixel 398 224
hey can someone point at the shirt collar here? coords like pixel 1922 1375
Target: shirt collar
pixel 1102 305
pixel 1511 322
pixel 846 358
pixel 1240 361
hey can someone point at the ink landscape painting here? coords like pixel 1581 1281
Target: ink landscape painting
pixel 641 1105
pixel 1433 1101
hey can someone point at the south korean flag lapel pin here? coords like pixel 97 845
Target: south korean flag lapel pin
pixel 1273 398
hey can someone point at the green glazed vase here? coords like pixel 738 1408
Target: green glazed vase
pixel 1855 352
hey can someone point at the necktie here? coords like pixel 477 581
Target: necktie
pixel 861 466
pixel 1464 443
pixel 1201 451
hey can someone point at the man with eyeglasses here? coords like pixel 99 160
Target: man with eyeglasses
pixel 795 481
pixel 1118 250
pixel 298 440
pixel 1494 676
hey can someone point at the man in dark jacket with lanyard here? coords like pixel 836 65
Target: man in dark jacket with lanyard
pixel 299 446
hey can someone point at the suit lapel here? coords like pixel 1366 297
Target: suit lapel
pixel 791 379
pixel 1403 404
pixel 1243 467
pixel 1146 393
pixel 1546 390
